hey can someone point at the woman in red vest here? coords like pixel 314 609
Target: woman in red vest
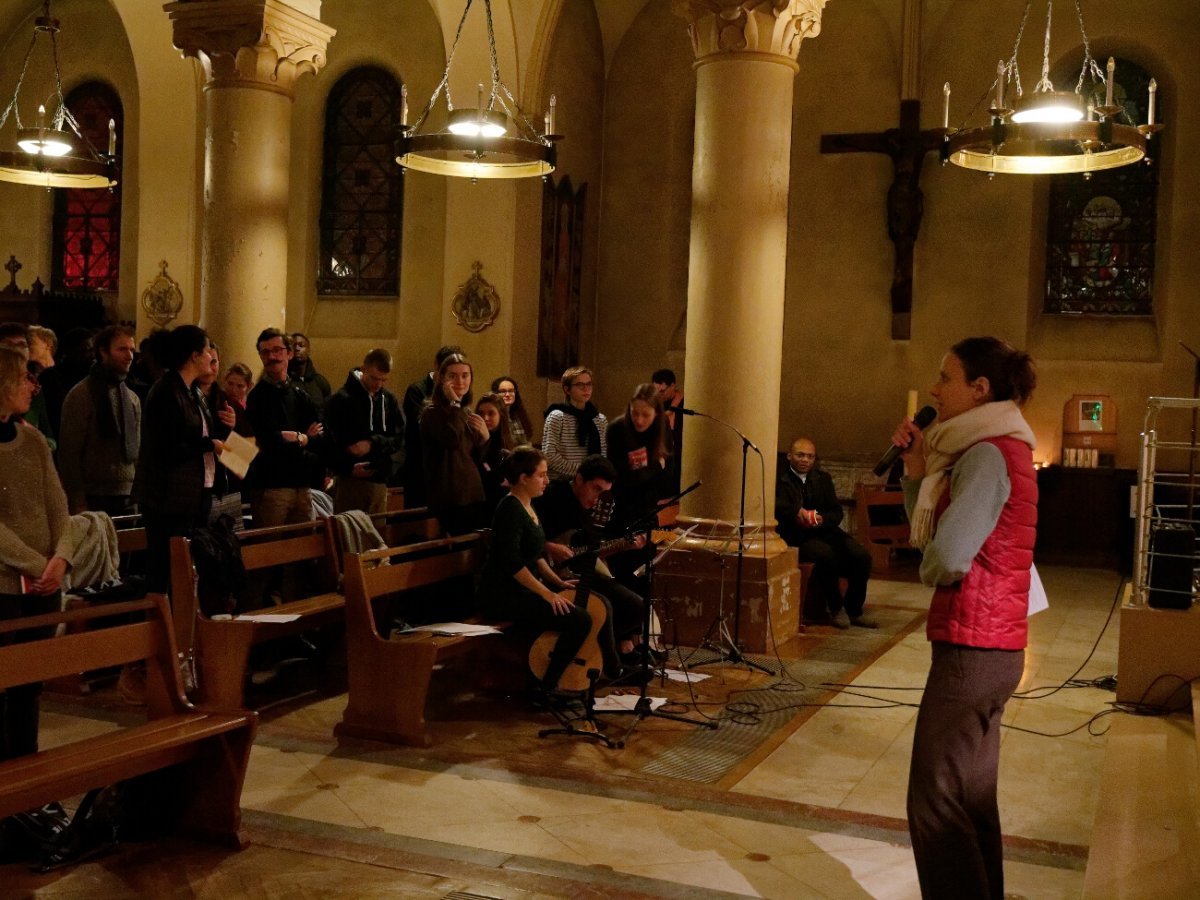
pixel 971 493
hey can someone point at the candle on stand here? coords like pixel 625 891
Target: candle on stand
pixel 911 409
pixel 946 106
pixel 1153 96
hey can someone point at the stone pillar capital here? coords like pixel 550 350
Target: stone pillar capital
pixel 263 44
pixel 772 27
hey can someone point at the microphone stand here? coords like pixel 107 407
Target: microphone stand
pixel 732 652
pixel 643 709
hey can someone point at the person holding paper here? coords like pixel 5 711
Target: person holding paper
pixel 177 466
pixel 971 492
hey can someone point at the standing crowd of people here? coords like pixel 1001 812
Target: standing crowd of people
pixel 125 428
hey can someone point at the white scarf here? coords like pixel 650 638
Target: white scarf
pixel 946 441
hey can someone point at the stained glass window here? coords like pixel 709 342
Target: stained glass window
pixel 1101 230
pixel 362 192
pixel 87 222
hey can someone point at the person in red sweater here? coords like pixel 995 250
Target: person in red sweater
pixel 971 493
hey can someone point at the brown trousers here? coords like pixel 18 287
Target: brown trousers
pixel 953 816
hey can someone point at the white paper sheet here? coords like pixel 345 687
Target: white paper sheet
pixel 1037 593
pixel 676 675
pixel 455 628
pixel 624 701
pixel 239 453
pixel 278 618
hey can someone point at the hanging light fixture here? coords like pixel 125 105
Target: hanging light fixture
pixel 54 152
pixel 491 140
pixel 1050 131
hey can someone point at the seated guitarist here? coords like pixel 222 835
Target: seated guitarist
pixel 567 511
pixel 517 583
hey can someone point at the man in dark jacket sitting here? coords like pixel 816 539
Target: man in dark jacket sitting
pixel 364 427
pixel 808 512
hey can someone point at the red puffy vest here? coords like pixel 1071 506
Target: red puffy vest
pixel 989 608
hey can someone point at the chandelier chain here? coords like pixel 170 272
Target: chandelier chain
pixel 1013 66
pixel 500 92
pixel 12 104
pixel 444 84
pixel 1089 62
pixel 1045 84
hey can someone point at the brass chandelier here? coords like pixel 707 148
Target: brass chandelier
pixel 53 152
pixel 494 139
pixel 1048 131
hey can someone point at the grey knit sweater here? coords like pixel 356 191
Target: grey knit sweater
pixel 33 510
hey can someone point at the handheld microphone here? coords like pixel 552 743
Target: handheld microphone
pixel 924 416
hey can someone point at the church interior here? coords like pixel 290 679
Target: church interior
pixel 747 192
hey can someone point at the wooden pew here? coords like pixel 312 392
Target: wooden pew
pixel 131 538
pixel 405 526
pixel 222 646
pixel 210 749
pixel 881 539
pixel 389 679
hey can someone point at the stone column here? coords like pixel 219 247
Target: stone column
pixel 745 65
pixel 252 52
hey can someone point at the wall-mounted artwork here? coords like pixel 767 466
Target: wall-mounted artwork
pixel 562 259
pixel 475 304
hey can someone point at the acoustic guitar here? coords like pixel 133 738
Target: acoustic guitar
pixel 575 676
pixel 589 657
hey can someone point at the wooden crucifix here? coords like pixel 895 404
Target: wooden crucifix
pixel 907 146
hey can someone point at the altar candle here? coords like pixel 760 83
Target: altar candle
pixel 912 404
pixel 1153 95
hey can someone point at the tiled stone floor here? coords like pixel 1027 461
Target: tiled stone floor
pixel 818 812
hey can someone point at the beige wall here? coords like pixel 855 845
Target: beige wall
pixel 405 39
pixel 629 137
pixel 575 74
pixel 981 250
pixel 646 205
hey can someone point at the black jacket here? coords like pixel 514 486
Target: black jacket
pixel 792 495
pixel 353 415
pixel 313 382
pixel 170 466
pixel 272 409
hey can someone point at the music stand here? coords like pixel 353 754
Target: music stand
pixel 642 709
pixel 732 651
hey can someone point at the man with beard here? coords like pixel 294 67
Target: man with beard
pixel 288 431
pixel 100 431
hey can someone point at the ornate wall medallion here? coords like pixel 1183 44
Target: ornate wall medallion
pixel 162 300
pixel 476 303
